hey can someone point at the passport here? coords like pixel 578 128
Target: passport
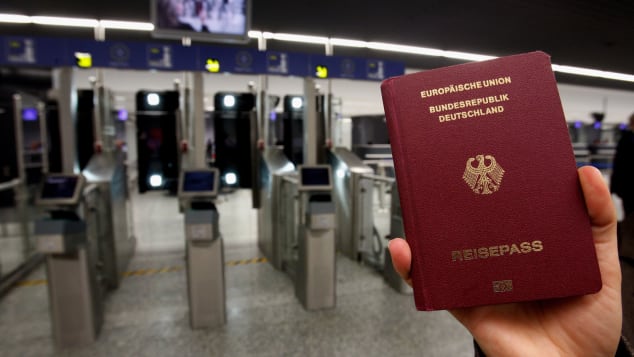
pixel 492 204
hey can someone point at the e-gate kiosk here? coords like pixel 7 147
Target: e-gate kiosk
pixel 74 296
pixel 205 257
pixel 315 279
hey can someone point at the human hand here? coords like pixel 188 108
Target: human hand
pixel 588 325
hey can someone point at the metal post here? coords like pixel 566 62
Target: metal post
pixel 329 115
pixel 198 120
pixel 181 125
pixel 261 43
pixel 100 33
pixel 63 82
pixel 21 194
pixel 310 122
pixel 186 108
pixel 328 48
pixel 19 135
pixel 96 111
pixel 108 131
pixel 41 113
pixel 263 109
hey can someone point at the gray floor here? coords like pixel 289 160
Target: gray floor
pixel 12 239
pixel 147 315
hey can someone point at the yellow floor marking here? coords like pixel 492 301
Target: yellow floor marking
pixel 143 272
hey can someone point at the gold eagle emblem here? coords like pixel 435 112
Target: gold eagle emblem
pixel 486 177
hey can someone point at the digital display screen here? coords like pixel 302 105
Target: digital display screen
pixel 315 176
pixel 59 187
pixel 29 114
pixel 221 20
pixel 199 181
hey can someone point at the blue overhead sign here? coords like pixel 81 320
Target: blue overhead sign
pixel 287 63
pixel 354 68
pixel 159 56
pixel 20 50
pixel 228 59
pixel 30 51
pixel 49 52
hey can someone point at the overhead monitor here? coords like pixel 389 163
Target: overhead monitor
pixel 315 178
pixel 202 20
pixel 60 189
pixel 199 183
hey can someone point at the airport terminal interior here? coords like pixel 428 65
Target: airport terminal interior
pixel 216 178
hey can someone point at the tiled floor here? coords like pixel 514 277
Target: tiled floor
pixel 147 315
pixel 12 241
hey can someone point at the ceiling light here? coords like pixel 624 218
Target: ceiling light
pixel 593 73
pixel 15 19
pixel 467 56
pixel 127 25
pixel 64 21
pixel 382 46
pixel 348 43
pixel 318 40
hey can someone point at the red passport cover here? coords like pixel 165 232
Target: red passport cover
pixel 492 205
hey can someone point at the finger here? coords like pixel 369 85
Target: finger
pixel 401 258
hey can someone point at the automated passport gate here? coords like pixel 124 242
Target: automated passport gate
pixel 74 296
pixel 353 197
pixel 277 208
pixel 354 186
pixel 205 257
pixel 315 277
pixel 113 212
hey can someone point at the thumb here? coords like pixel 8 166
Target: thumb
pixel 598 200
pixel 401 258
pixel 603 219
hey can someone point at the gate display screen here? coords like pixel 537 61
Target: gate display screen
pixel 60 190
pixel 314 178
pixel 199 183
